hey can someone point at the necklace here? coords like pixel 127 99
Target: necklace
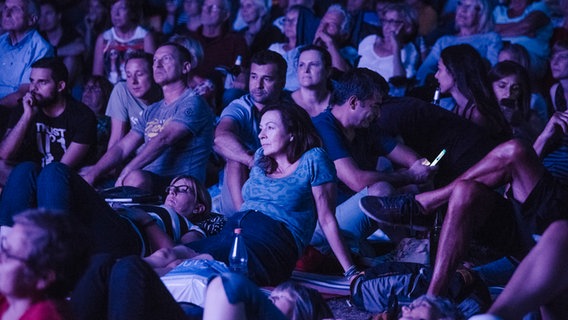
pixel 282 171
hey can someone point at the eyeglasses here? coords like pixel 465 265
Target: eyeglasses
pixel 178 189
pixel 5 254
pixel 212 8
pixel 392 21
pixel 95 89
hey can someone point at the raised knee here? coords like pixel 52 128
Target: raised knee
pixel 514 149
pixel 138 178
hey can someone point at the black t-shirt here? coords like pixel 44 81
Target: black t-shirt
pixel 48 138
pixel 428 129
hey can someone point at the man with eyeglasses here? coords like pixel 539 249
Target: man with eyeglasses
pixel 49 126
pixel 20 47
pixel 220 45
pixel 175 135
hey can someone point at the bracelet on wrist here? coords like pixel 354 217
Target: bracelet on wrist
pixel 149 223
pixel 351 271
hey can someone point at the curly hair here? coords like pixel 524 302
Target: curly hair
pixel 60 247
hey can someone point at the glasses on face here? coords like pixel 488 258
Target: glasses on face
pixel 392 21
pixel 91 88
pixel 179 189
pixel 275 297
pixel 7 255
pixel 212 8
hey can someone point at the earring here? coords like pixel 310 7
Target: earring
pixel 291 138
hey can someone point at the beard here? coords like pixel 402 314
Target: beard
pixel 45 101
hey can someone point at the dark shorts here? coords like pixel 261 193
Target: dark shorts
pixel 499 235
pixel 547 203
pixel 271 248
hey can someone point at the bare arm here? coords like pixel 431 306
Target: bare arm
pixel 149 43
pixel 118 129
pixel 554 129
pixel 324 197
pixel 75 154
pixel 98 63
pixel 11 100
pixel 235 176
pixel 228 145
pixel 528 26
pixel 172 133
pixel 114 156
pixel 332 47
pixel 14 137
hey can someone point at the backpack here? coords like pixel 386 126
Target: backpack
pixel 375 289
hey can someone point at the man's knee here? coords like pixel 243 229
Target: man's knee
pixel 467 191
pixel 140 179
pixel 514 150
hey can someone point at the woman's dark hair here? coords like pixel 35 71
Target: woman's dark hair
pixel 104 84
pixel 469 71
pixel 298 124
pixel 510 68
pixel 60 247
pixel 324 54
pixel 134 9
pixel 308 302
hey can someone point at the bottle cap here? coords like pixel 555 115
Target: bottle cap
pixel 238 230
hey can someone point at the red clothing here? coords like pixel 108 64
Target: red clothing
pixel 41 310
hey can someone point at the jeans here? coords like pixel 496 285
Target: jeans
pixel 57 187
pixel 127 288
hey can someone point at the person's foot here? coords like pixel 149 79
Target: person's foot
pixel 396 211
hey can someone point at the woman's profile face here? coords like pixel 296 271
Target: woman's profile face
pixel 15 277
pixel 283 302
pixel 507 88
pixel 311 69
pixel 273 136
pixel 182 197
pixel 444 77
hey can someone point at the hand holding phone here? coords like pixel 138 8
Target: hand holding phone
pixel 438 158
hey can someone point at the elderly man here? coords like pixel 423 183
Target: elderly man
pixel 176 133
pixel 20 47
pixel 333 33
pixel 236 136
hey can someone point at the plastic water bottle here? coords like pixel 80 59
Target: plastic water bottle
pixel 238 257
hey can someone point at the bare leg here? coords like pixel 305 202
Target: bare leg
pixel 511 162
pixel 217 305
pixel 540 279
pixel 469 207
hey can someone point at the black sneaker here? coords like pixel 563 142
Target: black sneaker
pixel 396 211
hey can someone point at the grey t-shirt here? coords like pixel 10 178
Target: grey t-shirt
pixel 188 155
pixel 122 105
pixel 247 119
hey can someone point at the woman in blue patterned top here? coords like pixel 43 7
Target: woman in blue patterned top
pixel 291 187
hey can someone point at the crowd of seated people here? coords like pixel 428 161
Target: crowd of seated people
pixel 283 109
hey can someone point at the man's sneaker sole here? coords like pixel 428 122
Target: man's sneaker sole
pixel 370 205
